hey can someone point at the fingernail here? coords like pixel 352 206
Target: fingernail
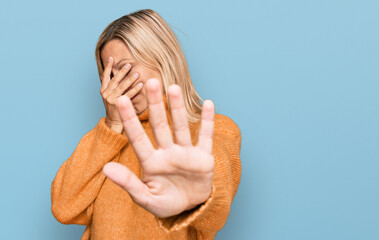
pixel 135 75
pixel 127 66
pixel 140 84
pixel 109 59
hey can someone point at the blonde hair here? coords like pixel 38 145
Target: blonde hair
pixel 153 43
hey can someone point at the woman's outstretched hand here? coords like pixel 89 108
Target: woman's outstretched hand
pixel 177 176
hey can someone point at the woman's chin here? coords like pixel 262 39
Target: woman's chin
pixel 140 111
pixel 140 106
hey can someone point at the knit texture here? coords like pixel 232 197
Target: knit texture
pixel 82 194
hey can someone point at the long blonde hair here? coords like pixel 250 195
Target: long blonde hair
pixel 153 43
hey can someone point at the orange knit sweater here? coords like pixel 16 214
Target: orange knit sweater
pixel 81 193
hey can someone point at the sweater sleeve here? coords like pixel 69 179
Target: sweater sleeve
pixel 210 216
pixel 79 179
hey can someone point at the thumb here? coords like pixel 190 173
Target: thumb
pixel 126 179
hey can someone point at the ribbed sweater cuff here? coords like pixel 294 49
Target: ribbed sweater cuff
pixel 110 137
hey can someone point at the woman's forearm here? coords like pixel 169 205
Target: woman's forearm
pixel 79 179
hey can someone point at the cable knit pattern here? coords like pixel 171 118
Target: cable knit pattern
pixel 81 194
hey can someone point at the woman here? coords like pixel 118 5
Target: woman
pixel 160 165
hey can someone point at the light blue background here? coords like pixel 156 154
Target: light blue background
pixel 299 77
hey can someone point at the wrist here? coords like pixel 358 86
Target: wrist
pixel 115 127
pixel 198 203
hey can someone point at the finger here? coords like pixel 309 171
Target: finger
pixel 116 79
pixel 134 91
pixel 157 114
pixel 206 127
pixel 179 116
pixel 106 75
pixel 122 87
pixel 133 129
pixel 126 179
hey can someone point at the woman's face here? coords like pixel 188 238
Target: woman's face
pixel 121 55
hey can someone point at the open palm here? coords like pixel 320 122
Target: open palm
pixel 177 176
